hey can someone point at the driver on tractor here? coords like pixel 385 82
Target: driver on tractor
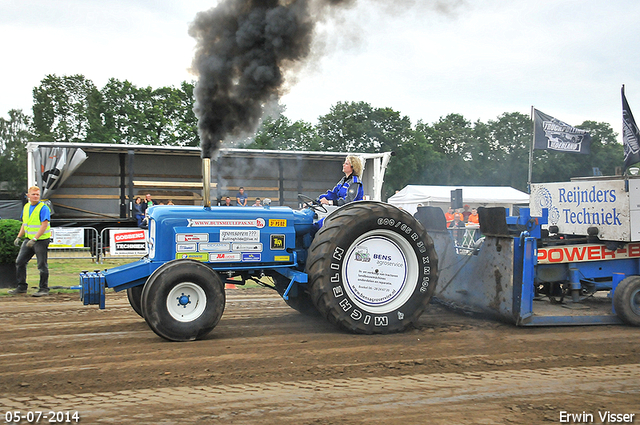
pixel 349 188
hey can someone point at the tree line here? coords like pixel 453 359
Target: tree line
pixel 450 151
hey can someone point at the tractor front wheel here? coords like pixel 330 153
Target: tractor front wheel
pixel 183 300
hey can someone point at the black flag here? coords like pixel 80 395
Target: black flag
pixel 630 134
pixel 551 133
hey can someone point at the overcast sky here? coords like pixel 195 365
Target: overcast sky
pixel 479 58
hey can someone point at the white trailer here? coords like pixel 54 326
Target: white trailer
pixel 94 183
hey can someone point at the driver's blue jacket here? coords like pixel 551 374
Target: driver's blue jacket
pixel 339 193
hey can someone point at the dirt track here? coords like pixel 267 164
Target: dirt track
pixel 265 363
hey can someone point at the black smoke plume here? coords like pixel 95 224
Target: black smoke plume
pixel 244 49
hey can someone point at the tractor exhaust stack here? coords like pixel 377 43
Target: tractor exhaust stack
pixel 206 181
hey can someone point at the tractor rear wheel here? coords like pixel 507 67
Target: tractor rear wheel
pixel 372 268
pixel 626 300
pixel 135 295
pixel 183 300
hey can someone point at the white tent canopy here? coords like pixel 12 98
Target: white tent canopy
pixel 474 196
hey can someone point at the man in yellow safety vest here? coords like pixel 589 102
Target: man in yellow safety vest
pixel 35 226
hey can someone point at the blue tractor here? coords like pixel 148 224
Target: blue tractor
pixel 371 268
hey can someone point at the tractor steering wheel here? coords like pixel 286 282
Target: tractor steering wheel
pixel 311 203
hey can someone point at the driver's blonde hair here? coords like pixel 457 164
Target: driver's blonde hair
pixel 356 164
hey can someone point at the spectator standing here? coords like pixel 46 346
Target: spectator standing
pixel 148 202
pixel 257 203
pixel 449 216
pixel 466 213
pixel 458 228
pixel 35 226
pixel 473 218
pixel 241 197
pixel 227 202
pixel 138 210
pixel 474 223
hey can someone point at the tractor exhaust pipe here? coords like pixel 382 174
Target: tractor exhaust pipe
pixel 206 181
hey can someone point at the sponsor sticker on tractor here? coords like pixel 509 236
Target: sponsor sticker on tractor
pixel 252 247
pixel 251 256
pixel 187 247
pixel 198 256
pixel 276 222
pixel 277 242
pixel 258 222
pixel 192 237
pixel 215 246
pixel 225 257
pixel 228 235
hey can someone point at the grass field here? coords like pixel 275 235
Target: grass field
pixel 64 272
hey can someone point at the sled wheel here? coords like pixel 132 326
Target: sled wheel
pixel 301 301
pixel 626 300
pixel 183 300
pixel 135 294
pixel 372 268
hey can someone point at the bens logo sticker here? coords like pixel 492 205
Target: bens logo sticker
pixel 362 254
pixel 381 257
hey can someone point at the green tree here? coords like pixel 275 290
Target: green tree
pixel 186 122
pixel 415 162
pixel 606 152
pixel 66 109
pixel 358 127
pixel 347 128
pixel 507 143
pixel 15 133
pixel 453 138
pixel 282 134
pixel 124 108
pixel 163 116
pixel 392 132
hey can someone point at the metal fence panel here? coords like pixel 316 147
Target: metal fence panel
pixel 74 243
pixel 465 238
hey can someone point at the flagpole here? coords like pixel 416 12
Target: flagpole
pixel 533 138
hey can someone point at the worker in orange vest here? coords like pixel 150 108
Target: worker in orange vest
pixel 473 218
pixel 449 216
